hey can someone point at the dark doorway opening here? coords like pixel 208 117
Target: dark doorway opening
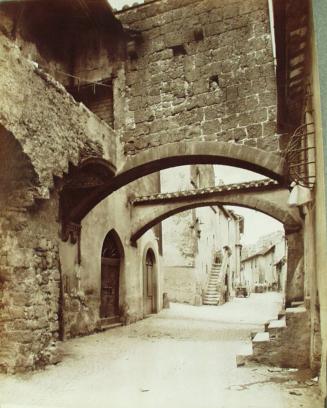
pixel 149 283
pixel 111 258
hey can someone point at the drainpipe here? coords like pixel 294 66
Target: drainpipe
pixel 272 31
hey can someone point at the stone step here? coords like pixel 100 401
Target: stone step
pixel 277 324
pixel 110 326
pixel 253 334
pixel 295 314
pixel 210 303
pixel 104 321
pixel 276 328
pixel 295 310
pixel 297 303
pixel 261 337
pixel 281 314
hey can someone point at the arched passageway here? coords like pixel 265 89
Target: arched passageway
pixel 270 200
pixel 182 153
pixel 149 282
pixel 264 196
pixel 111 264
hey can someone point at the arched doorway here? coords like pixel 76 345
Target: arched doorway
pixel 149 283
pixel 111 258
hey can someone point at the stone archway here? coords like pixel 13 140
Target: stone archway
pixel 81 181
pixel 176 154
pixel 265 196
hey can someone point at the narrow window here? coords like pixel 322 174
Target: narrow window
pixel 214 82
pixel 198 34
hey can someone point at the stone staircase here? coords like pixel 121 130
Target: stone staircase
pixel 284 343
pixel 211 296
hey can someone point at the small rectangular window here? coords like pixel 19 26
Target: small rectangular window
pixel 179 50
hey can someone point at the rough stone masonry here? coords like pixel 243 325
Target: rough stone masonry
pixel 43 131
pixel 203 71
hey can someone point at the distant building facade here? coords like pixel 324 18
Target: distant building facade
pixel 265 263
pixel 192 239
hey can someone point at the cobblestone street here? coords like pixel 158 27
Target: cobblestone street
pixel 183 357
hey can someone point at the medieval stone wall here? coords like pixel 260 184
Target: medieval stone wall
pixel 43 131
pixel 180 282
pixel 52 129
pixel 29 287
pixel 204 71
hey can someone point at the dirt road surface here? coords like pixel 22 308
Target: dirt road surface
pixel 183 357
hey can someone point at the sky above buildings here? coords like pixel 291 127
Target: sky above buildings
pixel 118 4
pixel 256 224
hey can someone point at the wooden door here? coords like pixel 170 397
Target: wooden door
pixel 109 287
pixel 148 284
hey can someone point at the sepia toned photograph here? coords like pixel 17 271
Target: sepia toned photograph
pixel 163 179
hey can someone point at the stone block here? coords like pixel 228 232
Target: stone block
pixel 213 29
pixel 211 126
pixel 229 122
pixel 232 92
pixel 269 128
pixel 230 11
pixel 254 131
pixel 240 134
pixel 252 103
pixel 250 142
pixel 214 112
pixel 269 143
